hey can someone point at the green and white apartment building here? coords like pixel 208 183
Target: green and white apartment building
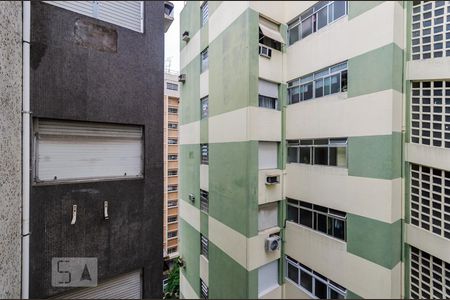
pixel 315 149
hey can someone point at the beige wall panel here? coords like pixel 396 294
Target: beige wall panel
pixel 273 10
pixel 224 16
pixel 191 50
pixel 204 177
pixel 190 133
pixel 190 214
pixel 264 124
pixel 291 291
pixel 186 289
pixel 256 253
pixel 428 69
pixel 269 193
pixel 271 68
pixel 204 269
pixel 429 156
pixel 204 84
pixel 428 242
pixel 228 127
pixel 273 294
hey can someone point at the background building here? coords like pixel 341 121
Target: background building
pixel 82 83
pixel 322 123
pixel 171 139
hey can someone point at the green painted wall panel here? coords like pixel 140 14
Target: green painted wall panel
pixel 378 70
pixel 190 252
pixel 376 241
pixel 189 169
pixel 204 223
pixel 376 156
pixel 351 295
pixel 233 185
pixel 227 278
pixel 190 92
pixel 189 20
pixel 233 66
pixel 357 8
pixel 204 131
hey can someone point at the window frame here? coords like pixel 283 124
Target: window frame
pixel 204 60
pixel 172 222
pixel 204 13
pixel 204 113
pixel 204 246
pixel 204 201
pixel 171 112
pixel 172 237
pixel 170 190
pixel 312 145
pixel 172 175
pixel 171 84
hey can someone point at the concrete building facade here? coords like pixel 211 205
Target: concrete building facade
pixel 322 124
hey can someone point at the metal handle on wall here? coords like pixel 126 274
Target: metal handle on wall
pixel 74 214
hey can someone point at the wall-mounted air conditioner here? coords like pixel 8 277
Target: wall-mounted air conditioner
pixel 272 243
pixel 265 51
pixel 182 78
pixel 272 179
pixel 185 37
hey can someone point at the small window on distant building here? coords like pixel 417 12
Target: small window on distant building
pixel 203 290
pixel 172 203
pixel 172 110
pixel 204 154
pixel 172 86
pixel 173 157
pixel 172 219
pixel 172 234
pixel 173 126
pixel 171 250
pixel 204 13
pixel 204 201
pixel 173 141
pixel 204 61
pixel 204 107
pixel 172 173
pixel 204 245
pixel 172 188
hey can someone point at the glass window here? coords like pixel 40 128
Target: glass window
pixel 344 81
pixel 335 294
pixel 204 107
pixel 321 220
pixel 320 290
pixel 305 155
pixel 268 102
pixel 292 273
pixel 327 86
pixel 204 154
pixel 322 18
pixel 338 156
pixel 321 155
pixel 293 34
pixel 319 88
pixel 294 95
pixel 339 9
pixel 307 91
pixel 292 214
pixel 306 281
pixel 292 155
pixel 307 27
pixel 172 86
pixel 204 13
pixel 306 217
pixel 335 83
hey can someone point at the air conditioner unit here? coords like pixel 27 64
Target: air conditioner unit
pixel 265 51
pixel 192 197
pixel 182 78
pixel 272 179
pixel 273 243
pixel 185 36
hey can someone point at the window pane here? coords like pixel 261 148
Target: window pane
pixel 292 214
pixel 335 83
pixel 319 88
pixel 306 281
pixel 307 27
pixel 293 35
pixel 294 95
pixel 306 217
pixel 338 156
pixel 320 290
pixel 292 273
pixel 321 223
pixel 292 155
pixel 344 81
pixel 339 9
pixel 321 155
pixel 326 86
pixel 305 155
pixel 322 18
pixel 335 295
pixel 307 91
pixel 339 229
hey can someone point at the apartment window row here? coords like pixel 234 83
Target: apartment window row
pixel 430 199
pixel 204 245
pixel 326 152
pixel 171 141
pixel 204 60
pixel 172 203
pixel 172 110
pixel 204 201
pixel 319 218
pixel 312 282
pixel 268 94
pixel 172 219
pixel 204 154
pixel 430 29
pixel 172 86
pixel 430 113
pixel 204 13
pixel 430 276
pixel 204 107
pixel 203 290
pixel 315 18
pixel 173 126
pixel 172 188
pixel 172 234
pixel 172 250
pixel 330 80
pixel 173 172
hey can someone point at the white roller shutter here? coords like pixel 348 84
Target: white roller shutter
pixel 127 286
pixel 268 89
pixel 268 155
pixel 83 151
pixel 128 14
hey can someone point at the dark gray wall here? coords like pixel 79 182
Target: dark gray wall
pixel 75 82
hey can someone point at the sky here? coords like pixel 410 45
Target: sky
pixel 172 38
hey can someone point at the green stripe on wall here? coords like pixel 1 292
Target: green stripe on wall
pixel 228 279
pixel 233 185
pixel 190 252
pixel 357 8
pixel 376 241
pixel 233 66
pixel 190 92
pixel 189 168
pixel 377 156
pixel 189 20
pixel 377 70
pixel 351 295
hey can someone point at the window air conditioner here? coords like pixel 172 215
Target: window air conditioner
pixel 273 243
pixel 265 51
pixel 272 179
pixel 182 78
pixel 185 36
pixel 192 197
